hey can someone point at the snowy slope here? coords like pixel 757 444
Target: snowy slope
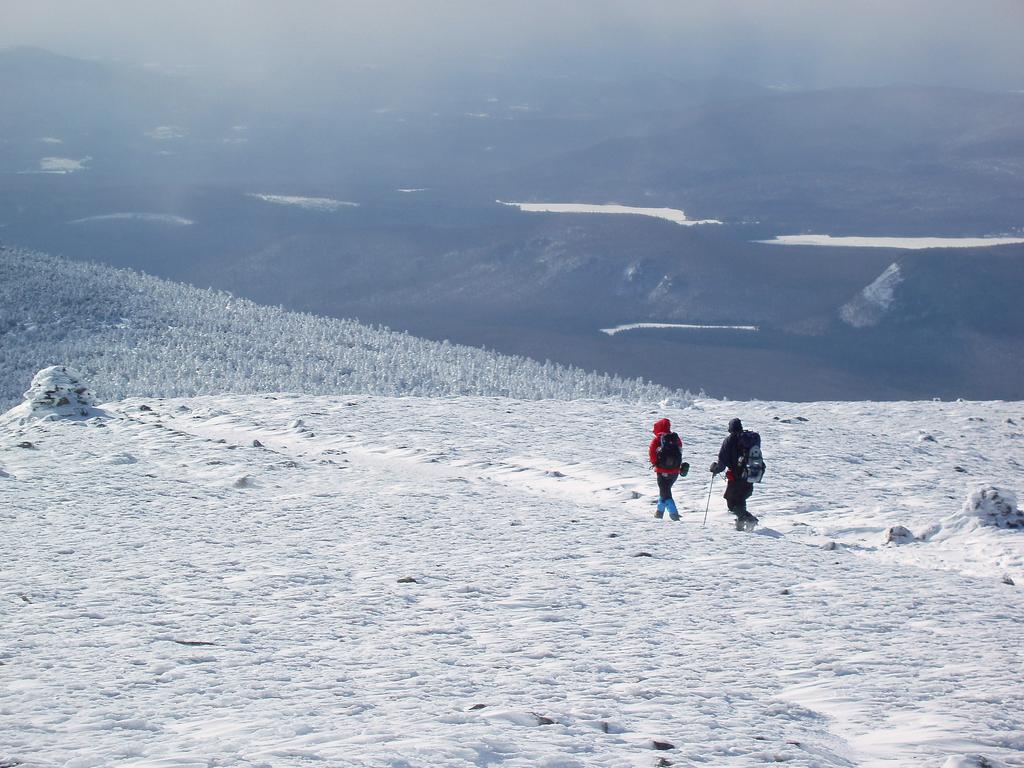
pixel 132 333
pixel 175 594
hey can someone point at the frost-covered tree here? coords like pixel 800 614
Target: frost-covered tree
pixel 131 334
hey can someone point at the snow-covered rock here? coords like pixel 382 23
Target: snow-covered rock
pixel 995 507
pixel 56 392
pixel 898 534
pixel 986 507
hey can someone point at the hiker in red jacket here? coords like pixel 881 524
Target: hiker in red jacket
pixel 666 457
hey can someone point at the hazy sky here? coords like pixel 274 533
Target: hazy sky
pixel 809 42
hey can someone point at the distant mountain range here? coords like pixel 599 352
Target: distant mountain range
pixel 182 178
pixel 908 160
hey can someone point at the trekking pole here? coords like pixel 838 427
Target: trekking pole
pixel 708 506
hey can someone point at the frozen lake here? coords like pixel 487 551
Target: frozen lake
pixel 154 218
pixel 680 326
pixel 907 243
pixel 308 203
pixel 669 214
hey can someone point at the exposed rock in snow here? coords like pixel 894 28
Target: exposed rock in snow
pixel 120 459
pixel 55 392
pixel 871 304
pixel 897 534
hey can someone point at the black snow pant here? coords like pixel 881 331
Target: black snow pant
pixel 665 485
pixel 736 494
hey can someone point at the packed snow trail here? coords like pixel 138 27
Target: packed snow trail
pixel 411 582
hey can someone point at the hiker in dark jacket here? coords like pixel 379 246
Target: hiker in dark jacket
pixel 666 474
pixel 737 490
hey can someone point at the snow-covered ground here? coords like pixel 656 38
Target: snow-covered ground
pixel 367 581
pixel 905 243
pixel 669 214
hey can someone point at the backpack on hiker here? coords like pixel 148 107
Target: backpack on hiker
pixel 670 451
pixel 751 463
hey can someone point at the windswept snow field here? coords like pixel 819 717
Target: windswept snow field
pixel 371 581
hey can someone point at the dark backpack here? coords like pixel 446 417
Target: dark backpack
pixel 751 463
pixel 670 452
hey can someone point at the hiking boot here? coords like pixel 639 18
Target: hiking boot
pixel 659 514
pixel 739 523
pixel 673 517
pixel 750 522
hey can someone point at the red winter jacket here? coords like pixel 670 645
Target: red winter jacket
pixel 661 427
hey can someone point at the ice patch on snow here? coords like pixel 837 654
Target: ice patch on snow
pixel 905 243
pixel 669 214
pixel 308 203
pixel 55 392
pixel 871 304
